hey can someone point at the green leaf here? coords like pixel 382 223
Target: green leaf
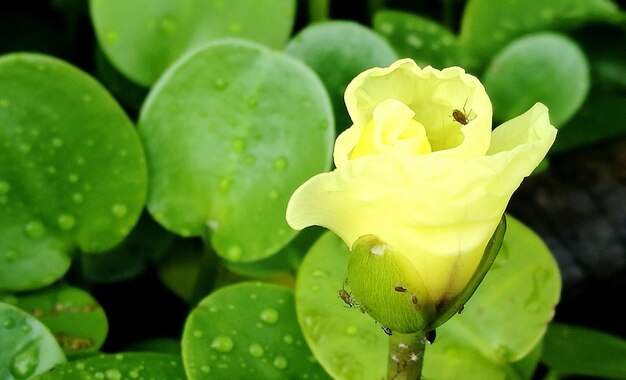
pixel 27 347
pixel 146 243
pixel 488 25
pixel 187 270
pixel 72 315
pixel 163 345
pixel 509 313
pixel 544 67
pixel 571 350
pixel 230 131
pixel 413 36
pixel 142 38
pixel 338 51
pixel 247 330
pixel 128 365
pixel 72 171
pixel 346 342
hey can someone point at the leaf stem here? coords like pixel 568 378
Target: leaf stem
pixel 319 10
pixel 406 356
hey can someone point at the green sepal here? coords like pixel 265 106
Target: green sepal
pixel 447 310
pixel 385 285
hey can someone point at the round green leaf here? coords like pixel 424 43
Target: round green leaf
pixel 122 366
pixel 27 347
pixel 142 38
pixel 571 350
pixel 338 51
pixel 247 329
pixel 346 342
pixel 146 243
pixel 72 169
pixel 426 41
pixel 230 131
pixel 488 25
pixel 545 67
pixel 72 315
pixel 510 311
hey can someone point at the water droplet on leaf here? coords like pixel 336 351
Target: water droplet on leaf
pixel 280 362
pixel 119 210
pixel 25 361
pixel 35 229
pixel 256 350
pixel 269 316
pixel 66 221
pixel 280 164
pixel 222 343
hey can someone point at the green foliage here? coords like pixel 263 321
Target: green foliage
pixel 72 172
pixel 561 84
pixel 247 329
pixel 571 350
pixel 28 347
pixel 338 51
pixel 169 143
pixel 142 38
pixel 73 316
pixel 129 365
pixel 248 137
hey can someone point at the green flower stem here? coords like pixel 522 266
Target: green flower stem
pixel 406 356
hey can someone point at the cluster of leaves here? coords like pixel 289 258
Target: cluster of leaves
pixel 178 151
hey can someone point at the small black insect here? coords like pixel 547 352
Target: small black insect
pixel 461 117
pixel 346 297
pixel 386 330
pixel 430 336
pixel 399 289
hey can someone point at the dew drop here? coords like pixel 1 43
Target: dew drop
pixel 225 185
pixel 10 256
pixel 119 210
pixel 352 330
pixel 280 362
pixel 238 144
pixel 280 164
pixel 8 323
pixel 66 221
pixel 219 84
pixel 113 374
pixel 57 142
pixel 222 343
pixel 256 350
pixel 25 361
pixel 168 26
pixel 51 170
pixel 197 333
pixel 80 366
pixel 99 375
pixel 234 253
pixel 274 195
pixel 24 148
pixel 205 369
pixel 269 316
pixel 319 273
pixel 235 27
pixel 250 160
pixel 288 339
pixel 86 98
pixel 4 103
pixel 73 178
pixel 27 328
pixel 4 187
pixel 112 37
pixel 77 198
pixel 35 229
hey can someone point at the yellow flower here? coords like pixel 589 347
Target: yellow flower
pixel 422 171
